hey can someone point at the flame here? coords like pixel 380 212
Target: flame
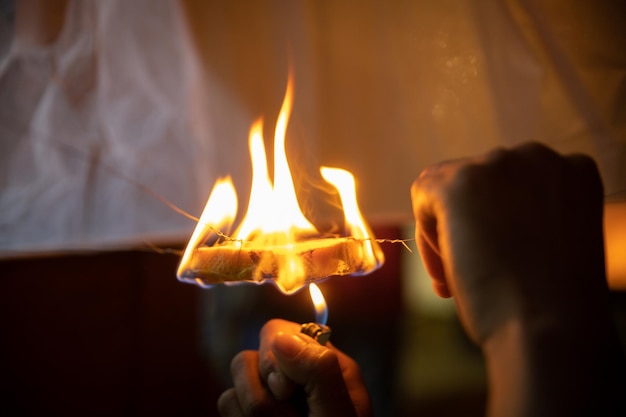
pixel 345 184
pixel 321 309
pixel 275 241
pixel 219 212
pixel 273 210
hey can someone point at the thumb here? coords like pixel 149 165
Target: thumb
pixel 317 369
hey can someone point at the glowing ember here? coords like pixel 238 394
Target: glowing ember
pixel 275 242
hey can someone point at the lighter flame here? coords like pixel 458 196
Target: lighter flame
pixel 321 310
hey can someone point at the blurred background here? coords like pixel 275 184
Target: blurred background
pixel 108 109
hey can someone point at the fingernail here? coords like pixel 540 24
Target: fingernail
pixel 287 345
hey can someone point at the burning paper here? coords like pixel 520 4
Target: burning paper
pixel 275 242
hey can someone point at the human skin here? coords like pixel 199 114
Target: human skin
pixel 290 363
pixel 515 236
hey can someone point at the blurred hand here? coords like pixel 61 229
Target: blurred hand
pixel 290 364
pixel 516 236
pixel 513 234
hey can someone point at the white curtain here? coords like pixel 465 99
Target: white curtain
pixel 133 98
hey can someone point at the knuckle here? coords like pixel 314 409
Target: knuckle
pixel 497 155
pixel 273 326
pixel 435 171
pixel 240 361
pixel 584 163
pixel 515 157
pixel 274 323
pixel 586 172
pixel 467 178
pixel 535 154
pixel 430 170
pixel 416 189
pixel 536 148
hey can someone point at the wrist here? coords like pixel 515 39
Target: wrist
pixel 548 367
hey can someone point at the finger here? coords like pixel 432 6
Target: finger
pixel 355 383
pixel 228 405
pixel 317 369
pixel 429 251
pixel 280 386
pixel 427 239
pixel 587 174
pixel 536 151
pixel 353 379
pixel 252 395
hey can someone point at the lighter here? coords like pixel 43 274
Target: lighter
pixel 319 332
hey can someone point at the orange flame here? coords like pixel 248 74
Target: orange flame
pixel 219 212
pixel 274 233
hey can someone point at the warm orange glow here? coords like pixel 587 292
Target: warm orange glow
pixel 615 244
pixel 275 241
